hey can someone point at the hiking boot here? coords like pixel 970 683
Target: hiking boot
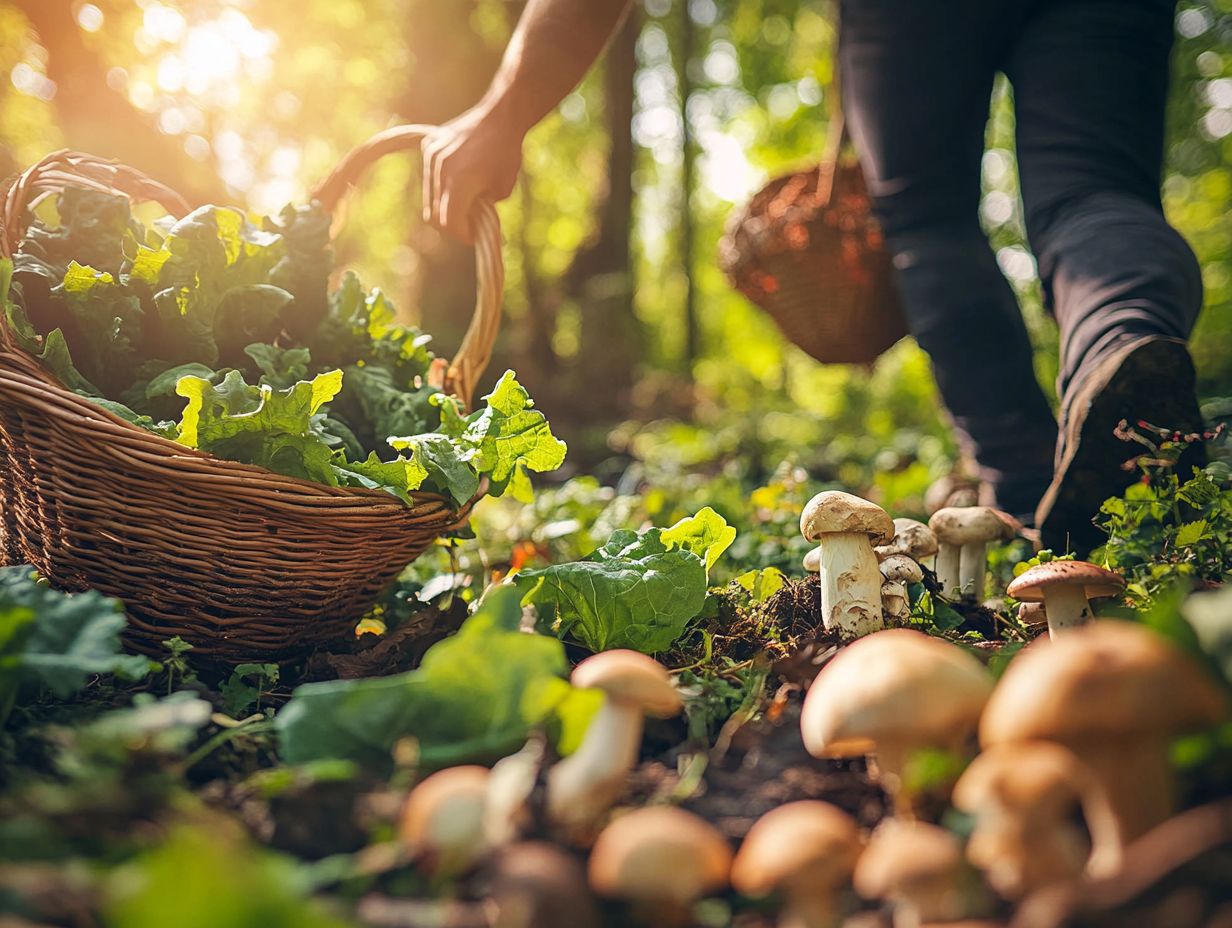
pixel 1149 379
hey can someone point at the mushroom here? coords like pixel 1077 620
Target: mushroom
pixel 1065 588
pixel 919 869
pixel 812 561
pixel 534 884
pixel 583 786
pixel 902 568
pixel 661 859
pixel 846 528
pixel 1032 614
pixel 912 538
pixel 804 851
pixel 891 694
pixel 1115 694
pixel 507 814
pixel 442 822
pixel 895 599
pixel 963 535
pixel 953 490
pixel 1023 797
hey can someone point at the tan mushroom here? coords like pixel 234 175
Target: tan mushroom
pixel 583 786
pixel 895 600
pixel 919 869
pixel 537 885
pixel 953 491
pixel 804 851
pixel 661 859
pixel 442 822
pixel 1023 797
pixel 891 694
pixel 914 539
pixel 1115 694
pixel 902 568
pixel 845 528
pixel 1032 614
pixel 963 535
pixel 812 561
pixel 1065 588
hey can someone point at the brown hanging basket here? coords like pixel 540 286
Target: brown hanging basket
pixel 242 563
pixel 808 251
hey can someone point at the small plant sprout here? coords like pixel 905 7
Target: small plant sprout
pixel 442 822
pixel 891 694
pixel 661 860
pixel 1065 588
pixel 918 869
pixel 963 535
pixel 1115 694
pixel 911 538
pixel 805 852
pixel 583 786
pixel 845 529
pixel 1026 836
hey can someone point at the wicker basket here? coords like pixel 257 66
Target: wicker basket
pixel 240 562
pixel 808 251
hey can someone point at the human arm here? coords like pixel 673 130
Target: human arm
pixel 479 153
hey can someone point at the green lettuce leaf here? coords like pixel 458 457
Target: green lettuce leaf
pixel 505 438
pixel 475 697
pixel 706 534
pixel 633 592
pixel 274 429
pixel 55 640
pixel 280 367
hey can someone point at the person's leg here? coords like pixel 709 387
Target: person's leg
pixel 1090 82
pixel 917 79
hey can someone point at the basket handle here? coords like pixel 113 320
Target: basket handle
pixel 467 366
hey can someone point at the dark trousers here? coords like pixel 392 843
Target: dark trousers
pixel 1090 80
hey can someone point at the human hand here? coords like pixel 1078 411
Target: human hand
pixel 476 156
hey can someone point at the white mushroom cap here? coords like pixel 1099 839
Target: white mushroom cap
pixel 969 524
pixel 917 865
pixel 895 599
pixel 902 568
pixel 834 511
pixel 1095 581
pixel 951 490
pixel 807 841
pixel 442 821
pixel 660 854
pixel 632 678
pixel 812 561
pixel 912 538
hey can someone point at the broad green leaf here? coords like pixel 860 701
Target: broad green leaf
pixel 762 584
pixel 706 534
pixel 475 696
pixel 633 592
pixel 1190 533
pixel 280 367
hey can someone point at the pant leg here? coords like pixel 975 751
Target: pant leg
pixel 1090 82
pixel 917 79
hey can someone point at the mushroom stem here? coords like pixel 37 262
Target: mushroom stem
pixel 850 585
pixel 585 784
pixel 973 565
pixel 1066 607
pixel 890 761
pixel 1138 780
pixel 949 559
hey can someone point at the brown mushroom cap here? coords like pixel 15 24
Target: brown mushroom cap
pixel 537 885
pixel 445 810
pixel 970 524
pixel 812 561
pixel 901 855
pixel 834 511
pixel 809 841
pixel 659 853
pixel 901 567
pixel 1030 613
pixel 1028 775
pixel 912 538
pixel 630 677
pixel 899 685
pixel 1105 679
pixel 1029 586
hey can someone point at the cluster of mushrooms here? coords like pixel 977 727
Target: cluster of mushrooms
pixel 1066 758
pixel 866 562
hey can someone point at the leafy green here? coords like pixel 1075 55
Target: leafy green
pixel 633 592
pixel 475 696
pixel 55 640
pixel 706 534
pixel 261 425
pixel 280 367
